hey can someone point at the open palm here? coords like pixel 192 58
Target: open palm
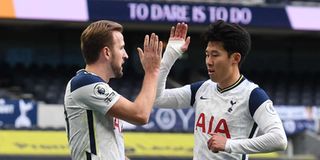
pixel 180 33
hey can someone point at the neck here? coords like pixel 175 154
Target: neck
pixel 99 70
pixel 229 81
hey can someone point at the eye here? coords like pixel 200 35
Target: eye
pixel 215 55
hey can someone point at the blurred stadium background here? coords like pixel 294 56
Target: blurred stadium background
pixel 40 52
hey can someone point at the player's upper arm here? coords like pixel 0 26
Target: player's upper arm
pixel 268 119
pixel 257 97
pixel 181 97
pixel 262 111
pixel 174 98
pixel 100 97
pixel 90 92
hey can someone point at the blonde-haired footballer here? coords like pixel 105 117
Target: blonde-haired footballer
pixel 228 107
pixel 93 109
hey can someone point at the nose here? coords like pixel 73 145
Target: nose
pixel 125 55
pixel 209 61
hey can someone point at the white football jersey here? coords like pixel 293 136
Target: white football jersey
pixel 234 112
pixel 226 112
pixel 91 134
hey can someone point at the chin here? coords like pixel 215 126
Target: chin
pixel 212 79
pixel 119 74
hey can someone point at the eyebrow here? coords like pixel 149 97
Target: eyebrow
pixel 212 51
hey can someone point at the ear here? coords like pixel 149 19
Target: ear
pixel 106 52
pixel 236 57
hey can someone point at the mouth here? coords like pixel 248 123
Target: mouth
pixel 210 71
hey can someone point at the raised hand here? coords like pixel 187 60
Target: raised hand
pixel 180 33
pixel 151 54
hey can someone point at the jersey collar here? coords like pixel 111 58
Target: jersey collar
pixel 83 71
pixel 234 85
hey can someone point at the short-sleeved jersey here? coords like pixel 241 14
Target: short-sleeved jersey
pixel 228 112
pixel 92 135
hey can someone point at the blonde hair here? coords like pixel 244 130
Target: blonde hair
pixel 96 36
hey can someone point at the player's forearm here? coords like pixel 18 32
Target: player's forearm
pixel 164 71
pixel 171 54
pixel 273 141
pixel 146 97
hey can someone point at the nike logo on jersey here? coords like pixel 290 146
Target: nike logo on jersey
pixel 203 98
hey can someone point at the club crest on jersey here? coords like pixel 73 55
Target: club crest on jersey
pixel 270 109
pixel 101 91
pixel 233 101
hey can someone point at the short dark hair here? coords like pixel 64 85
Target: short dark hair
pixel 96 36
pixel 234 38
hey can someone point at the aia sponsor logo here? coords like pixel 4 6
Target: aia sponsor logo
pixel 209 128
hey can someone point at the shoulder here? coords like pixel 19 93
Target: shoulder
pixel 257 97
pixel 82 79
pixel 249 85
pixel 194 87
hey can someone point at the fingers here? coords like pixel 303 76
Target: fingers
pixel 150 56
pixel 146 41
pixel 172 32
pixel 211 140
pixel 152 40
pixel 179 32
pixel 160 49
pixel 176 33
pixel 156 43
pixel 212 143
pixel 209 143
pixel 185 46
pixel 188 41
pixel 152 44
pixel 184 29
pixel 140 52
